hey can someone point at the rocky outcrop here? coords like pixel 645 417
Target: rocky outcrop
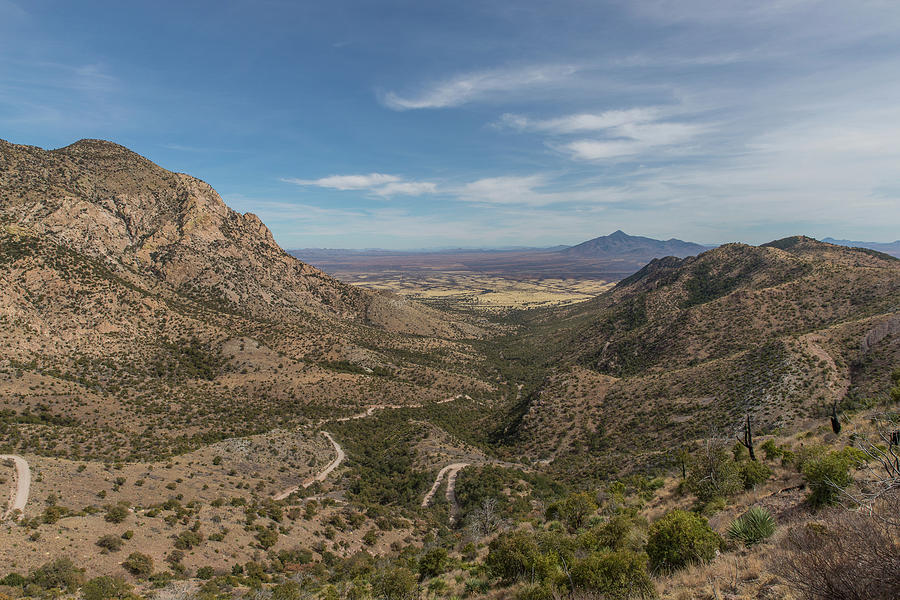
pixel 878 333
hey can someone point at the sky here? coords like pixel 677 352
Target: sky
pixel 424 124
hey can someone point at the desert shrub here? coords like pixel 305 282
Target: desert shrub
pixel 680 539
pixel 289 590
pixel 139 565
pixel 615 575
pixel 105 588
pixel 187 539
pixel 54 513
pixel 396 583
pixel 829 474
pixel 433 562
pixel 206 572
pixel 753 526
pixel 713 473
pixel 537 591
pixel 267 537
pixel 771 450
pixel 851 555
pixel 370 538
pixel 573 510
pixel 60 573
pixel 116 513
pixel 13 580
pixel 512 555
pixel 612 535
pixel 110 542
pixel 753 473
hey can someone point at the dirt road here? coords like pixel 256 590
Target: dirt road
pixel 322 475
pixel 451 471
pixel 19 495
pixel 370 410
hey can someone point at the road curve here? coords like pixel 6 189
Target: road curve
pixel 370 410
pixel 450 470
pixel 23 484
pixel 338 459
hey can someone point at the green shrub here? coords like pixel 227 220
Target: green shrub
pixel 713 474
pixel 615 575
pixel 753 473
pixel 106 588
pixel 612 535
pixel 512 555
pixel 206 572
pixel 828 475
pixel 60 573
pixel 573 510
pixel 187 539
pixel 267 537
pixel 433 562
pixel 753 526
pixel 116 513
pixel 771 450
pixel 110 543
pixel 139 565
pixel 680 539
pixel 13 580
pixel 396 583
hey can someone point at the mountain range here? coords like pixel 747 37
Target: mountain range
pixel 220 408
pixel 892 248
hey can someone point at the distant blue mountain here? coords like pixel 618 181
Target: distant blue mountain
pixel 892 248
pixel 620 244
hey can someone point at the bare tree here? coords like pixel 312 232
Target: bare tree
pixel 484 520
pixel 882 469
pixel 177 590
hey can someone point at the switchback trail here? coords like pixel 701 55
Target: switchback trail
pixel 370 410
pixel 19 495
pixel 451 471
pixel 339 458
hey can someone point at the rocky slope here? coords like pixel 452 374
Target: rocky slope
pixel 686 346
pixel 138 307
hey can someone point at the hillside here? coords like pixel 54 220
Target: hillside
pixel 689 346
pixel 140 312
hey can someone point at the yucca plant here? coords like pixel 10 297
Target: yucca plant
pixel 753 526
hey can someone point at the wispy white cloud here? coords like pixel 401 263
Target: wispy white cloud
pixel 381 184
pixel 346 182
pixel 582 122
pixel 504 190
pixel 479 85
pixel 407 188
pixel 625 132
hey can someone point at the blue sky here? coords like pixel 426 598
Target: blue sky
pixel 432 124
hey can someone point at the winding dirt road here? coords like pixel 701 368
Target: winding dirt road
pixel 324 473
pixel 451 471
pixel 19 496
pixel 340 456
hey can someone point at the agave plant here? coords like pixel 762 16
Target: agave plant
pixel 753 526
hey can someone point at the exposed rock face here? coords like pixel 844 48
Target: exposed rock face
pixel 105 201
pixel 878 333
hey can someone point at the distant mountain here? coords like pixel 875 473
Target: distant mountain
pixel 892 248
pixel 620 244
